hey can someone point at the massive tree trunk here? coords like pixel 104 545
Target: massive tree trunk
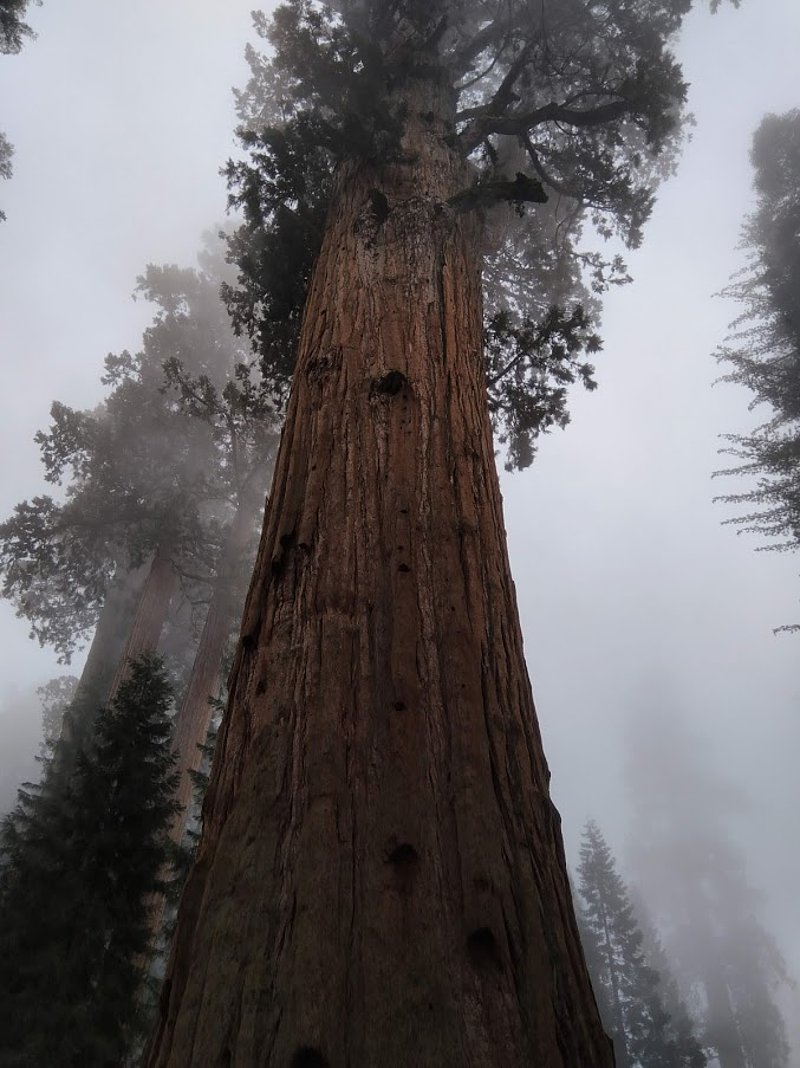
pixel 109 639
pixel 194 715
pixel 155 596
pixel 381 879
pixel 193 718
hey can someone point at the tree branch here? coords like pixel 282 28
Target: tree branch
pixel 521 123
pixel 492 32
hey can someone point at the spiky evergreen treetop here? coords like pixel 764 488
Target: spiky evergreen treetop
pixel 571 106
pixel 629 991
pixel 763 352
pixel 77 867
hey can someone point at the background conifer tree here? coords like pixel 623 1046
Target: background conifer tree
pixel 630 992
pixel 763 352
pixel 77 869
pixel 692 876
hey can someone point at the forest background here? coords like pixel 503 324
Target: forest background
pixel 635 601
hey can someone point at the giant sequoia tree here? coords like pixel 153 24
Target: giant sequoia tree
pixel 381 878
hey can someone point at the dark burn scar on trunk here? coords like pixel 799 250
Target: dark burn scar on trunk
pixel 483 951
pixel 372 216
pixel 307 1057
pixel 286 541
pixel 379 205
pixel 404 861
pixel 389 385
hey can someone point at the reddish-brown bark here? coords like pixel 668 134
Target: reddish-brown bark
pixel 381 879
pixel 152 607
pixel 194 715
pixel 108 642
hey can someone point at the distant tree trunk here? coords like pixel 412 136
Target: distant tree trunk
pixel 194 715
pixel 621 1040
pixel 152 607
pixel 191 724
pixel 113 625
pixel 381 879
pixel 722 1031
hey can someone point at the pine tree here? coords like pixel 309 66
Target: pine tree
pixel 381 877
pixel 693 877
pixel 763 352
pixel 13 28
pixel 77 868
pixel 629 991
pixel 683 1029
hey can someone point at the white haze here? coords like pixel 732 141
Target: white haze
pixel 628 584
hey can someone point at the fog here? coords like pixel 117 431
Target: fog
pixel 637 602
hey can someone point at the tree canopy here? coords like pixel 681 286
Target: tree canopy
pixel 577 108
pixel 763 352
pixel 13 28
pixel 162 464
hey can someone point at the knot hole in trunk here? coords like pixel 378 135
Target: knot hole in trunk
pixel 372 216
pixel 307 1057
pixel 389 385
pixel 483 951
pixel 404 861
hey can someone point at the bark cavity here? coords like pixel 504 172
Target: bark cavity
pixel 404 861
pixel 390 384
pixel 308 1057
pixel 372 217
pixel 483 951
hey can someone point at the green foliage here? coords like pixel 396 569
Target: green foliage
pixel 13 28
pixel 6 168
pixel 283 194
pixel 629 992
pixel 79 857
pixel 582 102
pixel 763 352
pixel 56 697
pixel 56 565
pixel 529 366
pixel 181 440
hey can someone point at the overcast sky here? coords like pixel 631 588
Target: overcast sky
pixel 628 584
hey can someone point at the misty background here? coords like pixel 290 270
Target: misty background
pixel 636 601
